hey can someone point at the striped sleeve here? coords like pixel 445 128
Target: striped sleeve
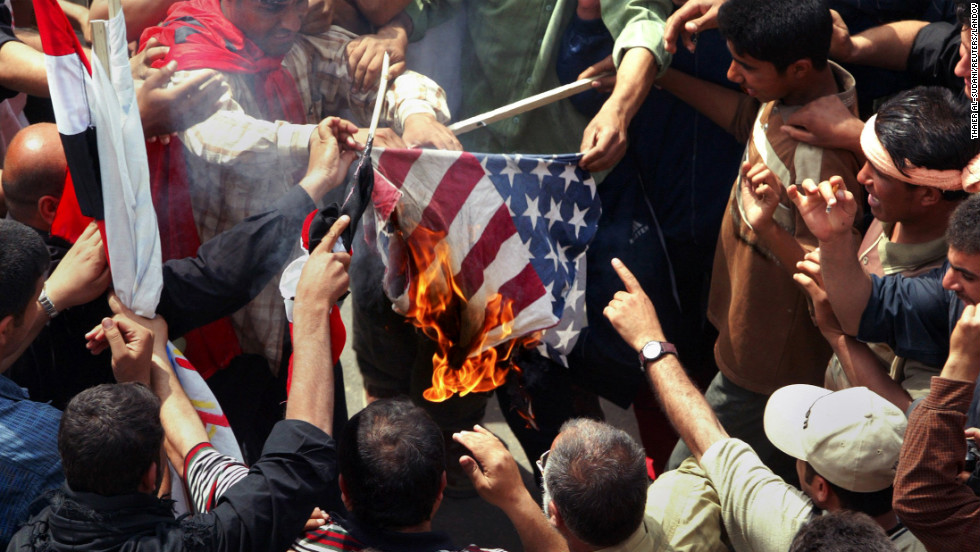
pixel 209 474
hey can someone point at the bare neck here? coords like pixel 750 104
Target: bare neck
pixel 817 85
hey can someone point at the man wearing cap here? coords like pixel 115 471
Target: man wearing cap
pixel 846 443
pixel 907 235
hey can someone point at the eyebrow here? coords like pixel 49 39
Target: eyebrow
pixel 963 271
pixel 742 63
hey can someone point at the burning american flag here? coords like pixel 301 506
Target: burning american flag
pixel 484 253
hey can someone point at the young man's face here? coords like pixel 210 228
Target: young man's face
pixel 758 78
pixel 271 24
pixel 963 276
pixel 890 200
pixel 962 68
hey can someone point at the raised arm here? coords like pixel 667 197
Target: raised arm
pixel 604 139
pixel 929 497
pixel 323 280
pixel 139 353
pixel 495 476
pixel 828 209
pixel 635 318
pixel 760 200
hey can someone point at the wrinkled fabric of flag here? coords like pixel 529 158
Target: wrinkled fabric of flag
pixel 517 225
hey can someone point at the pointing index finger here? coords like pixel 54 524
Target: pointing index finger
pixel 632 285
pixel 330 240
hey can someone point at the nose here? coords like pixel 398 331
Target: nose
pixel 949 280
pixel 293 20
pixel 733 74
pixel 864 175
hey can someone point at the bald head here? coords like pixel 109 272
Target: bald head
pixel 34 169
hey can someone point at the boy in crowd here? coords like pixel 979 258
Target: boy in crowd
pixel 766 338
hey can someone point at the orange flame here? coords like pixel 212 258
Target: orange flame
pixel 460 365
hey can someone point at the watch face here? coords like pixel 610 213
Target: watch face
pixel 652 350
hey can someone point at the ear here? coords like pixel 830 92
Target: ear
pixel 555 517
pixel 800 68
pixel 929 196
pixel 148 483
pixel 6 325
pixel 343 493
pixel 47 206
pixel 821 491
pixel 438 502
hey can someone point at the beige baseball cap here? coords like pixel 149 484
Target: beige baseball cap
pixel 851 437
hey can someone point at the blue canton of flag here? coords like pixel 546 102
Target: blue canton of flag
pixel 514 225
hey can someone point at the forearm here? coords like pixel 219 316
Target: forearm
pixel 634 77
pixel 782 245
pixel 76 13
pixel 181 423
pixel 887 46
pixel 22 69
pixel 311 395
pixel 931 502
pixel 234 266
pixel 380 12
pixel 715 102
pixel 848 285
pixel 533 528
pixel 684 405
pixel 140 14
pixel 864 369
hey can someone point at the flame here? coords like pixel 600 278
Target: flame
pixel 460 364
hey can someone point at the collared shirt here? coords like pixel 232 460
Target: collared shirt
pixel 942 512
pixel 239 162
pixel 914 316
pixel 879 255
pixel 29 460
pixel 511 52
pixel 648 537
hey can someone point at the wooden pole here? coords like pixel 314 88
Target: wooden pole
pixel 100 44
pixel 527 104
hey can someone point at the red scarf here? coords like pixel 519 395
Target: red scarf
pixel 213 43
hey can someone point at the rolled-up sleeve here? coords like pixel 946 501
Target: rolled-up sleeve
pixel 638 24
pixel 911 315
pixel 268 508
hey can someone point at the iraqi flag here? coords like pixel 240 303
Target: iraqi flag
pixel 68 72
pixel 112 185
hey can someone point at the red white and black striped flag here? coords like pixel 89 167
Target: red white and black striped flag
pixel 68 69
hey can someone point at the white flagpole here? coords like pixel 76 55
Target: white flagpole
pixel 527 104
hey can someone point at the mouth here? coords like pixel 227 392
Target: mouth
pixel 873 201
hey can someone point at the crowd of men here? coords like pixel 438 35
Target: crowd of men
pixel 808 337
